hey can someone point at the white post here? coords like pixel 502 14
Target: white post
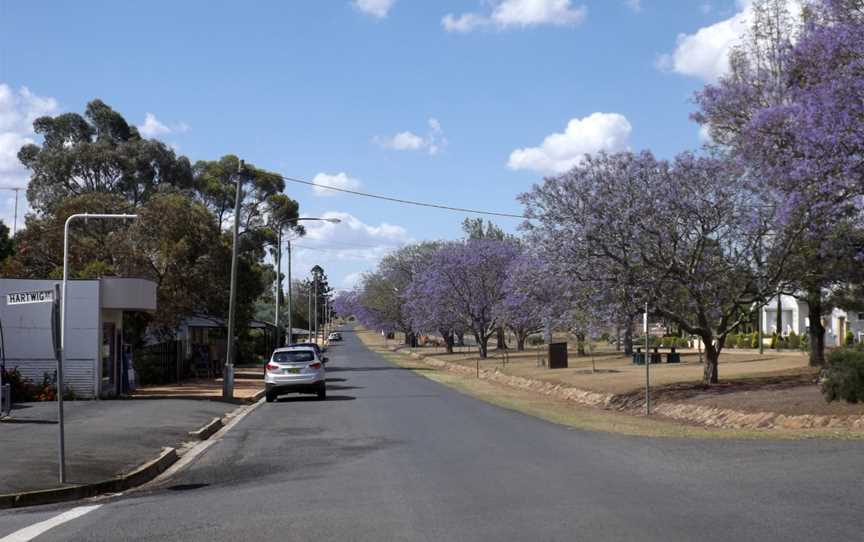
pixel 647 366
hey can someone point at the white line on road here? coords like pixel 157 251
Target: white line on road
pixel 29 533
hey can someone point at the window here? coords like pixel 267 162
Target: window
pixel 294 356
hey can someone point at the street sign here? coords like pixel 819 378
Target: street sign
pixel 34 296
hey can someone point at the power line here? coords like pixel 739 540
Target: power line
pixel 403 201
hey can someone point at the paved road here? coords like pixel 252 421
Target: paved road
pixel 393 456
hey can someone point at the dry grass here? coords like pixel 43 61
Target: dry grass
pixel 572 415
pixel 616 373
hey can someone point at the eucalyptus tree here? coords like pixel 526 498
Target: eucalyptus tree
pixel 97 152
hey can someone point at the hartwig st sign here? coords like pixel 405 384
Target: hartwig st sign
pixel 35 296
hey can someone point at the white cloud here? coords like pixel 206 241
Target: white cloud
pixel 705 53
pixel 153 127
pixel 375 8
pixel 339 180
pixel 635 5
pixel 561 151
pixel 18 110
pixel 351 239
pixel 518 13
pixel 705 134
pixel 433 142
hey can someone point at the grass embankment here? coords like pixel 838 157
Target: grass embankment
pixel 572 415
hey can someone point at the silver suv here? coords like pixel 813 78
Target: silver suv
pixel 295 369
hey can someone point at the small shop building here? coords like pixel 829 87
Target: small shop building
pixel 97 360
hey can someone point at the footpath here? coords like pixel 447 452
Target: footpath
pixel 111 445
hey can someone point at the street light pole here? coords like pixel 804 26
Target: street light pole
pixel 61 440
pixel 228 372
pixel 15 219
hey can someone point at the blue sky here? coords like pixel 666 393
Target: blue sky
pixel 447 101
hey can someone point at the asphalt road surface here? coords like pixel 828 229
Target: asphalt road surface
pixel 393 456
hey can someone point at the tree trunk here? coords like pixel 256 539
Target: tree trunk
pixel 779 322
pixel 520 341
pixel 448 339
pixel 483 345
pixel 580 345
pixel 817 330
pixel 617 338
pixel 628 337
pixel 712 356
pixel 502 339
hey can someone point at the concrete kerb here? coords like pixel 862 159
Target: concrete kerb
pixel 228 422
pixel 703 415
pixel 141 475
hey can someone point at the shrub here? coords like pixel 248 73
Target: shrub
pixel 794 341
pixel 536 340
pixel 732 340
pixel 25 391
pixel 754 340
pixel 843 377
pixel 805 341
pixel 850 339
pixel 774 340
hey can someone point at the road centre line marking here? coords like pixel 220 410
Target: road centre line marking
pixel 29 533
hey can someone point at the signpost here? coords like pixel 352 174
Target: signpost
pixel 647 365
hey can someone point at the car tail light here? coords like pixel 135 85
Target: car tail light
pixel 272 367
pixel 316 365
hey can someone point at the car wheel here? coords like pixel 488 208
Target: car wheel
pixel 322 392
pixel 270 397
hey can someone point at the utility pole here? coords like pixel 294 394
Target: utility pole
pixel 309 313
pixel 316 307
pixel 228 373
pixel 290 323
pixel 278 281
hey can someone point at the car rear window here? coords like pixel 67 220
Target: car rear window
pixel 293 356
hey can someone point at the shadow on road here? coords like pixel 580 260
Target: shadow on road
pixel 311 399
pixel 369 369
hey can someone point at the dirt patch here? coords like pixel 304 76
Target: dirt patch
pixel 797 400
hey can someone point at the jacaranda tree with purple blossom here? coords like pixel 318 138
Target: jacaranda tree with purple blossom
pixel 467 281
pixel 792 112
pixel 688 236
pixel 532 297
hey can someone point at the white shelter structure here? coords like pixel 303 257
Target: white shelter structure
pixel 96 358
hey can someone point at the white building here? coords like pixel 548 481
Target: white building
pixel 94 327
pixel 793 316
